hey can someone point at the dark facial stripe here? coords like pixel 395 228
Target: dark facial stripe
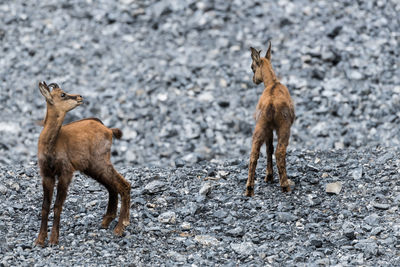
pixel 67 97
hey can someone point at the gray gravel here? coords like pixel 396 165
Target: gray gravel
pixel 175 77
pixel 177 225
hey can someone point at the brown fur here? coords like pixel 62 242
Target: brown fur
pixel 78 146
pixel 275 111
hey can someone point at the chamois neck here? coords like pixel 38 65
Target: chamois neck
pixel 268 74
pixel 51 129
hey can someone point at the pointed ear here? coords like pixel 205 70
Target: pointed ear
pixel 268 55
pixel 45 91
pixel 255 55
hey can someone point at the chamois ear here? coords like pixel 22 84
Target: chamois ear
pixel 268 55
pixel 255 55
pixel 45 91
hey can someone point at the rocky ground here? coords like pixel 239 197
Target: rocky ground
pixel 175 77
pixel 198 216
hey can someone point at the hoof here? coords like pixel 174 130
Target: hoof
pixel 106 222
pixel 286 188
pixel 53 241
pixel 39 243
pixel 249 191
pixel 288 185
pixel 119 230
pixel 269 178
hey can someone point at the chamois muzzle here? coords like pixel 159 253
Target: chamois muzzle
pixel 79 99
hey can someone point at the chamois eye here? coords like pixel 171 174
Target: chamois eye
pixel 62 95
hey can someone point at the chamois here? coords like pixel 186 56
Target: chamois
pixel 83 146
pixel 275 111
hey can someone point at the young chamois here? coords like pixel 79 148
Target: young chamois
pixel 83 145
pixel 274 111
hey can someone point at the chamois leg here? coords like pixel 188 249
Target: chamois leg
pixel 116 184
pixel 62 189
pixel 112 207
pixel 258 140
pixel 104 177
pixel 124 189
pixel 280 154
pixel 48 188
pixel 269 143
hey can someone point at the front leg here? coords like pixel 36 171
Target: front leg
pixel 48 188
pixel 62 189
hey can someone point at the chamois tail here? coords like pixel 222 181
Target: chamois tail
pixel 117 133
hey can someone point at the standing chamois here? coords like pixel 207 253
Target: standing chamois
pixel 274 111
pixel 84 146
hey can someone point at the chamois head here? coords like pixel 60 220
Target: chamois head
pixel 58 98
pixel 258 62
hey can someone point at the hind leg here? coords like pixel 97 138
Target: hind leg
pixel 258 140
pixel 104 174
pixel 280 154
pixel 269 143
pixel 123 188
pixel 111 212
pixel 115 184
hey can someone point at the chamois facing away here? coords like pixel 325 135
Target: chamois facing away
pixel 274 111
pixel 82 145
